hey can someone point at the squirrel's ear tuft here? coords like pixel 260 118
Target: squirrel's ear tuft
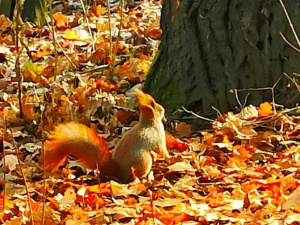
pixel 144 99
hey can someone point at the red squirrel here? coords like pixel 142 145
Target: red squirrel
pixel 132 155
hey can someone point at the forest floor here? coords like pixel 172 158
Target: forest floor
pixel 244 170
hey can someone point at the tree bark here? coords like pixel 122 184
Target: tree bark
pixel 6 7
pixel 211 47
pixel 34 10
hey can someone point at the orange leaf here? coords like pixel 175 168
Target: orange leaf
pixel 60 19
pixel 43 52
pixel 265 109
pixel 98 10
pixel 174 143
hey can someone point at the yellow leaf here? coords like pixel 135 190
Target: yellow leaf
pixel 71 35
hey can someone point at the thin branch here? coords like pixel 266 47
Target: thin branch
pixel 264 89
pixel 289 43
pixel 17 24
pixel 218 111
pixel 4 165
pixel 196 115
pixel 23 176
pixel 88 24
pixel 290 22
pixel 237 99
pixel 54 39
pixel 43 109
pixel 67 57
pixel 118 37
pixel 110 32
pixel 94 69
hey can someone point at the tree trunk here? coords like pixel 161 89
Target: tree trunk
pixel 34 10
pixel 211 47
pixel 6 7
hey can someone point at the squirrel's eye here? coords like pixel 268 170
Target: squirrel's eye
pixel 152 104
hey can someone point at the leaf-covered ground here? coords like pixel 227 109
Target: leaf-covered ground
pixel 244 170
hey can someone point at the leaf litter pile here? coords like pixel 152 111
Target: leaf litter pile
pixel 244 170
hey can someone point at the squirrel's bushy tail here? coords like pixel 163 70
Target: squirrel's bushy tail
pixel 76 140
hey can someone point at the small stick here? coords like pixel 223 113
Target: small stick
pixel 23 176
pixel 289 43
pixel 17 24
pixel 110 34
pixel 4 164
pixel 88 24
pixel 54 39
pixel 198 116
pixel 290 22
pixel 118 37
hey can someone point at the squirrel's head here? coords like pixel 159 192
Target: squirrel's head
pixel 149 108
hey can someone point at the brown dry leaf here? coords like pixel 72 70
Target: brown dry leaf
pixel 119 213
pixel 29 104
pixel 181 167
pixel 51 216
pixel 183 130
pixel 98 10
pixel 67 200
pixel 293 200
pixel 4 23
pixel 133 188
pixel 11 162
pixel 126 116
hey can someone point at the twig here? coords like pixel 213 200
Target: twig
pixel 110 34
pixel 118 37
pixel 218 111
pixel 263 89
pixel 290 22
pixel 17 24
pixel 196 115
pixel 23 176
pixel 98 178
pixel 67 57
pixel 88 24
pixel 289 43
pixel 94 69
pixel 54 39
pixel 20 77
pixel 63 51
pixel 4 165
pixel 42 107
pixel 237 99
